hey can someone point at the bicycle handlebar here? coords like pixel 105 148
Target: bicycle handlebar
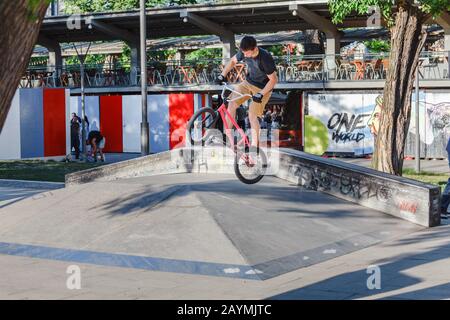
pixel 227 87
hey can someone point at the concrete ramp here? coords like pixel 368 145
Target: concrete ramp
pixel 404 198
pixel 207 224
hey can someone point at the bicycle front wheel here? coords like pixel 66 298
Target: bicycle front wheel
pixel 250 165
pixel 199 128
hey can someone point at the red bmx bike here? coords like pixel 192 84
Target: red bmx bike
pixel 250 163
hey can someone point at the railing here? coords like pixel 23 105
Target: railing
pixel 290 69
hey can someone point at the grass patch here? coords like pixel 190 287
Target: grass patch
pixel 422 173
pixel 54 171
pixel 38 170
pixel 438 179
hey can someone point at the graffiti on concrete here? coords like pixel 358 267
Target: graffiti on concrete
pixel 348 185
pixel 410 206
pixel 418 203
pixel 353 186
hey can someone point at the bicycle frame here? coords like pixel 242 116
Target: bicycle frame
pixel 224 113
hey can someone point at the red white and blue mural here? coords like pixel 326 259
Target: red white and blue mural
pixel 38 124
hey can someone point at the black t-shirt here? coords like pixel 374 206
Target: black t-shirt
pixel 75 125
pixel 95 134
pixel 258 67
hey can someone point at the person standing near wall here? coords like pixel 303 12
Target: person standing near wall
pixel 445 201
pixel 87 129
pixel 75 125
pixel 97 142
pixel 448 152
pixel 276 118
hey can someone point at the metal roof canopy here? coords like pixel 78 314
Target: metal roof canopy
pixel 237 18
pixel 211 41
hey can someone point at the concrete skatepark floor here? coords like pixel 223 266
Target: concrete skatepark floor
pixel 210 237
pixel 201 224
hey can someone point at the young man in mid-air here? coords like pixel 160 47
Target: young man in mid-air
pixel 260 81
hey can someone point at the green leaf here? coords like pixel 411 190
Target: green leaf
pixel 33 7
pixel 340 9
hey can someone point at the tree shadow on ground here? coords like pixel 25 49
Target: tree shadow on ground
pixel 353 285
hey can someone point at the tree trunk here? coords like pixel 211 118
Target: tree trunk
pixel 407 40
pixel 20 21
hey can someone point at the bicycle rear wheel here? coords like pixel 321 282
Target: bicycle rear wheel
pixel 199 128
pixel 250 165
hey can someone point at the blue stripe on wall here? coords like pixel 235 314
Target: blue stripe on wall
pixel 31 123
pixel 92 109
pixel 131 117
pixel 129 261
pixel 158 118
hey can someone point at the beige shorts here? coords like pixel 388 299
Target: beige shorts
pixel 247 88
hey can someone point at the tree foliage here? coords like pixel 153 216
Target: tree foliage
pixel 276 50
pixel 91 59
pixel 88 6
pixel 205 54
pixel 343 8
pixel 376 46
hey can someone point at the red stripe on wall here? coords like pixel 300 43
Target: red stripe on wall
pixel 203 101
pixel 111 122
pixel 54 122
pixel 181 109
